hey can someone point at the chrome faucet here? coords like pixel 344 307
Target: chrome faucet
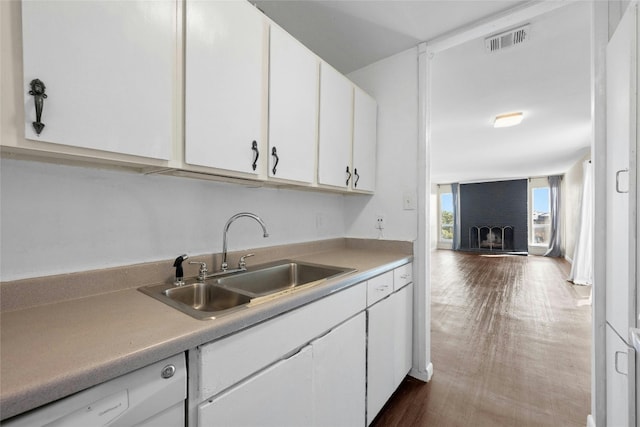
pixel 224 265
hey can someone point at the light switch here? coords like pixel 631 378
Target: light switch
pixel 408 201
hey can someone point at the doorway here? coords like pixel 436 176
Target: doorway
pixel 485 157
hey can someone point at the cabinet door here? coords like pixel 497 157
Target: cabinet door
pixel 339 375
pixel 293 108
pixel 620 304
pixel 225 93
pixel 109 72
pixel 617 380
pixel 380 356
pixel 365 111
pixel 278 396
pixel 335 128
pixel 620 242
pixel 252 349
pixel 403 332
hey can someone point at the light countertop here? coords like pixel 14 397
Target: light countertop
pixel 51 351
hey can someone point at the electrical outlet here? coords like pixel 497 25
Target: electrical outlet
pixel 380 222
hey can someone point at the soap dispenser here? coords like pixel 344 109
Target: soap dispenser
pixel 179 271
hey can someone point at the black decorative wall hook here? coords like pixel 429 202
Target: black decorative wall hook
pixel 37 90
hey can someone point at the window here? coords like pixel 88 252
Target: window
pixel 540 212
pixel 446 216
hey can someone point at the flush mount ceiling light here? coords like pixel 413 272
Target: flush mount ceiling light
pixel 506 120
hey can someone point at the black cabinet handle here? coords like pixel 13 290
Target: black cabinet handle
pixel 355 172
pixel 37 90
pixel 254 147
pixel 274 153
pixel 348 176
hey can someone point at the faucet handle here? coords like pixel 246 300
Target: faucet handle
pixel 202 273
pixel 243 264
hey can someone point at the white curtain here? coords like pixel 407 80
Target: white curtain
pixel 582 267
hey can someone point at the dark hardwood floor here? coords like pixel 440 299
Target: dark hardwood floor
pixel 510 346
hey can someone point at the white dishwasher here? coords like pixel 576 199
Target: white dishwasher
pixel 151 396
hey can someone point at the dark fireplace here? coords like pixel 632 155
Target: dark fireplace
pixel 493 216
pixel 493 238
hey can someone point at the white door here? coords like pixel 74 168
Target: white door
pixel 403 332
pixel 335 128
pixel 365 112
pixel 225 94
pixel 339 375
pixel 109 74
pixel 620 284
pixel 278 396
pixel 293 108
pixel 380 356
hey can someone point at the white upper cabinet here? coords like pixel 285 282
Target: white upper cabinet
pixel 125 81
pixel 225 85
pixel 108 69
pixel 365 112
pixel 293 108
pixel 335 128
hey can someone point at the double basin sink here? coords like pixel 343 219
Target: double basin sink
pixel 237 291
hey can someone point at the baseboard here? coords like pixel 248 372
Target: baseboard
pixel 422 375
pixel 590 421
pixel 570 260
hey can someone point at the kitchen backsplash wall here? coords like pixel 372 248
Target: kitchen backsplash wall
pixel 57 219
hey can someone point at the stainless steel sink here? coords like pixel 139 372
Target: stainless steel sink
pixel 227 294
pixel 199 300
pixel 279 277
pixel 207 297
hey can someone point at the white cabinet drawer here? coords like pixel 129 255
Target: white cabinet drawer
pixel 379 287
pixel 224 362
pixel 402 276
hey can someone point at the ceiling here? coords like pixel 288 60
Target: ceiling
pixel 547 78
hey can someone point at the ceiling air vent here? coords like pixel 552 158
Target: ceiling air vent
pixel 510 38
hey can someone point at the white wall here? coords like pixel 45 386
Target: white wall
pixel 58 219
pixel 394 84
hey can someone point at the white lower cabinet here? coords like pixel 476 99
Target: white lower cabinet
pixel 380 375
pixel 402 333
pixel 389 346
pixel 278 396
pixel 255 365
pixel 333 362
pixel 323 384
pixel 339 375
